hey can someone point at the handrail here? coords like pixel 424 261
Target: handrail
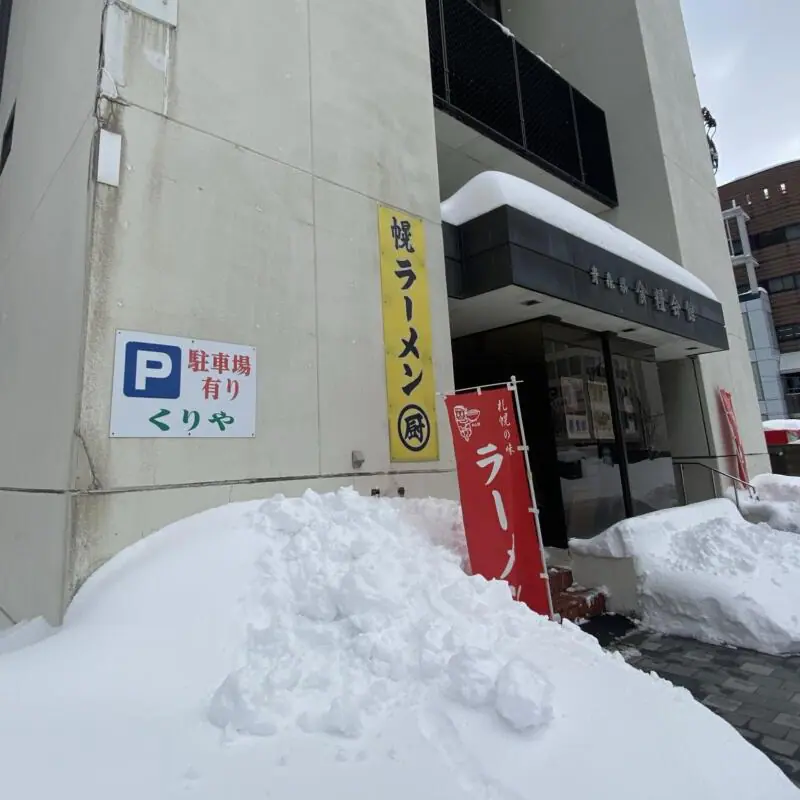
pixel 751 490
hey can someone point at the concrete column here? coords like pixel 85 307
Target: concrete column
pixel 258 141
pixel 50 77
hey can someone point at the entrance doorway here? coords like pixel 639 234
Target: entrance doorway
pixel 594 418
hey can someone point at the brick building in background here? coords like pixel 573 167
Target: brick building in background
pixel 768 205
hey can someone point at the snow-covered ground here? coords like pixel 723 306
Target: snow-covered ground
pixel 332 646
pixel 705 572
pixel 778 503
pixel 24 635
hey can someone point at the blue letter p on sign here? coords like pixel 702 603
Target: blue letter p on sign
pixel 152 370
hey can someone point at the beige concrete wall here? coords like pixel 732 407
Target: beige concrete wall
pixel 51 75
pixel 255 152
pixel 632 58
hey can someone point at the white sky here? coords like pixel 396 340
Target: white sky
pixel 747 61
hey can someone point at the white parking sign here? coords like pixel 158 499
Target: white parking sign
pixel 170 387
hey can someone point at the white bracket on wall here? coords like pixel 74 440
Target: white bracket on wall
pixel 109 158
pixel 163 10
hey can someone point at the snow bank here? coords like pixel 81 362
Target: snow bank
pixel 24 634
pixel 706 573
pixel 327 647
pixel 777 488
pixel 368 596
pixel 491 190
pixel 778 503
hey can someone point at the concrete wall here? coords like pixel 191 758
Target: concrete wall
pixel 51 75
pixel 631 57
pixel 257 143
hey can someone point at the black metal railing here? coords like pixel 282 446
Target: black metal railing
pixel 485 78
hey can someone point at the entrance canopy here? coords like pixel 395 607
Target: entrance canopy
pixel 517 252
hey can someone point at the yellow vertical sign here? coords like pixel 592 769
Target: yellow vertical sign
pixel 408 339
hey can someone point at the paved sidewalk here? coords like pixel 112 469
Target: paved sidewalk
pixel 759 695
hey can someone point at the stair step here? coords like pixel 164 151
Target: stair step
pixel 579 604
pixel 560 579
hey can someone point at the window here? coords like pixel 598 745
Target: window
pixel 759 241
pixel 489 7
pixel 766 193
pixel 788 333
pixel 8 136
pixel 5 27
pixel 783 283
pixel 792 383
pixel 783 188
pixel 768 238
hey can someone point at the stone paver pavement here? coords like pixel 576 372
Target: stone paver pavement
pixel 759 695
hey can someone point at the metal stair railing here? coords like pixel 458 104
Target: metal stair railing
pixel 751 490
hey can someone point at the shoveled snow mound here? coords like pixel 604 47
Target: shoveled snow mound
pixel 778 503
pixel 24 635
pixel 706 573
pixel 325 647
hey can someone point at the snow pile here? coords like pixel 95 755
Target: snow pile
pixel 491 190
pixel 24 635
pixel 774 488
pixel 343 654
pixel 777 505
pixel 706 573
pixel 351 621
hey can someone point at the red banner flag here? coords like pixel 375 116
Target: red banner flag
pixel 726 400
pixel 502 537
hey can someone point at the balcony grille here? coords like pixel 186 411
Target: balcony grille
pixel 590 123
pixel 547 111
pixel 485 78
pixel 480 42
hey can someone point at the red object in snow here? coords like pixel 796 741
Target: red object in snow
pixel 499 520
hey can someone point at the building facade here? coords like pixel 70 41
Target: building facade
pixel 248 198
pixel 762 213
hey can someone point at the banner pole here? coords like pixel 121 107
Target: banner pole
pixel 534 505
pixel 474 389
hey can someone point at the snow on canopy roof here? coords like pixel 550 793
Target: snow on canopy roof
pixel 491 190
pixel 782 425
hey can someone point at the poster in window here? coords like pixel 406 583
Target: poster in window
pixel 600 405
pixel 576 420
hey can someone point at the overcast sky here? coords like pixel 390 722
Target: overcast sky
pixel 746 57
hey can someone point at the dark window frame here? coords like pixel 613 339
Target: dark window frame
pixel 782 283
pixel 787 333
pixel 775 236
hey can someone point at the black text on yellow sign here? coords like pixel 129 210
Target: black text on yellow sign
pixel 408 340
